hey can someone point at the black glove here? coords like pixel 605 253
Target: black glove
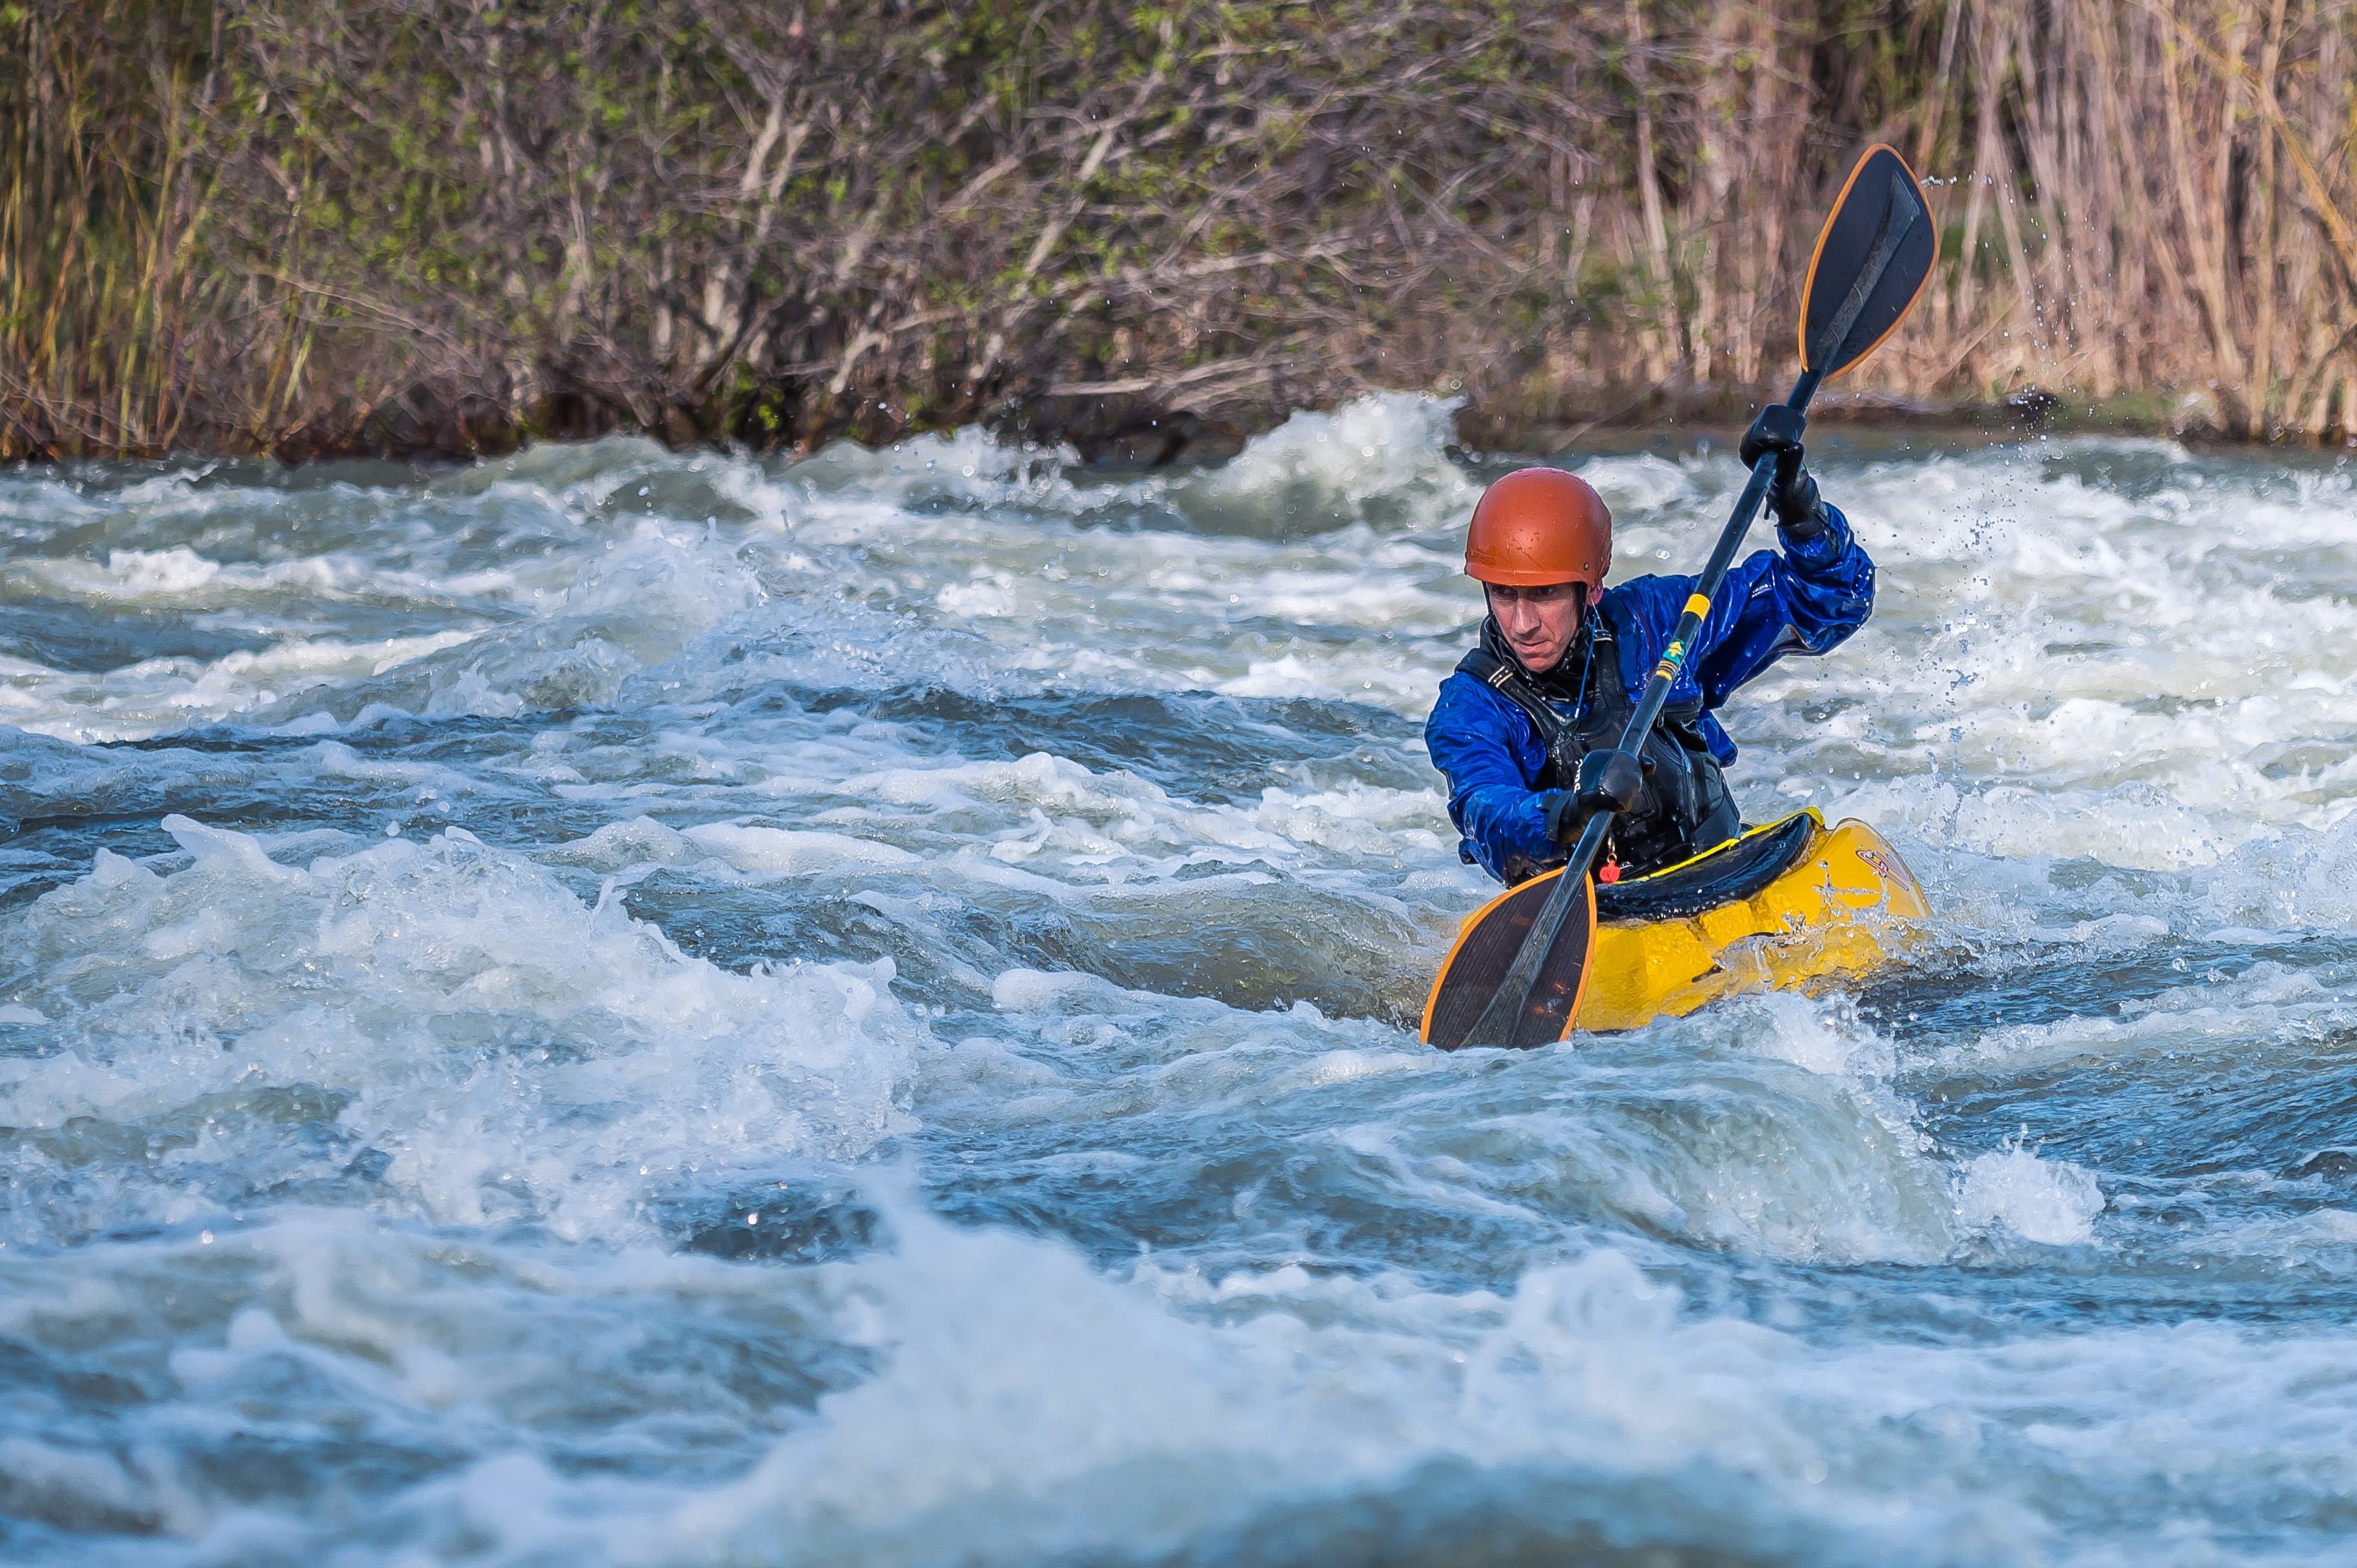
pixel 1792 494
pixel 1608 781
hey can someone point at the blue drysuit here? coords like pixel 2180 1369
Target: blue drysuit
pixel 1803 600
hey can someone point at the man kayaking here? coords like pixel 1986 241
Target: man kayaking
pixel 1527 725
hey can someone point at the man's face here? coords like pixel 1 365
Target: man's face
pixel 1539 623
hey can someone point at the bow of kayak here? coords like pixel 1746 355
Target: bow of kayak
pixel 1838 902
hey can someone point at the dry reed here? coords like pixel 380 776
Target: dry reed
pixel 442 225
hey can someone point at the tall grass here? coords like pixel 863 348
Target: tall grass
pixel 97 196
pixel 440 225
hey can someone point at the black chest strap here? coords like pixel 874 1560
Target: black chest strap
pixel 1684 807
pixel 1601 713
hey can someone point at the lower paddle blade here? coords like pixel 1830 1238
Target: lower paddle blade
pixel 1879 245
pixel 1485 951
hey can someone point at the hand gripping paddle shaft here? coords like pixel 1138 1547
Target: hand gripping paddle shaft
pixel 1880 228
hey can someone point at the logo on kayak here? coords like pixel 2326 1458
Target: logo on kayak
pixel 1889 869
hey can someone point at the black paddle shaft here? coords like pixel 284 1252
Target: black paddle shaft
pixel 1518 1013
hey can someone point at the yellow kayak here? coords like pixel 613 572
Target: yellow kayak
pixel 1782 905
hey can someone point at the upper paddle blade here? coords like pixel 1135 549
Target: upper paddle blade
pixel 1873 258
pixel 1475 968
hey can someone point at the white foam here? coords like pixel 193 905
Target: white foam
pixel 970 465
pixel 1823 1036
pixel 639 840
pixel 785 851
pixel 1029 1408
pixel 1028 990
pixel 1386 450
pixel 509 1049
pixel 2049 1201
pixel 157 695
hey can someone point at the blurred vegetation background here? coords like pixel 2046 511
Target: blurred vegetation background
pixel 445 226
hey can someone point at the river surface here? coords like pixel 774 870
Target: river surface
pixel 619 1008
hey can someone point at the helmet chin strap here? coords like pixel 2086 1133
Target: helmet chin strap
pixel 1583 642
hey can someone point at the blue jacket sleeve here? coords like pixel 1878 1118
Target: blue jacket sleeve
pixel 1490 753
pixel 1805 599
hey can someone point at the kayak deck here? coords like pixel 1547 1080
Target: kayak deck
pixel 1778 907
pixel 1795 901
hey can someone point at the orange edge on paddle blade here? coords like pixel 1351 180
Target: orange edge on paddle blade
pixel 1432 1000
pixel 1809 282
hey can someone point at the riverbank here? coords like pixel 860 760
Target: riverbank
pixel 444 230
pixel 1667 420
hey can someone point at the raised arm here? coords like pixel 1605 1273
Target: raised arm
pixel 1806 598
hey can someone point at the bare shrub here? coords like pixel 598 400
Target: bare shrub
pixel 442 225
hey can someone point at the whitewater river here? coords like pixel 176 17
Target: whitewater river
pixel 613 1006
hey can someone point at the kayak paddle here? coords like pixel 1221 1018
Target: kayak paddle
pixel 1517 973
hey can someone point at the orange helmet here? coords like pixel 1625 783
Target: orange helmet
pixel 1536 526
